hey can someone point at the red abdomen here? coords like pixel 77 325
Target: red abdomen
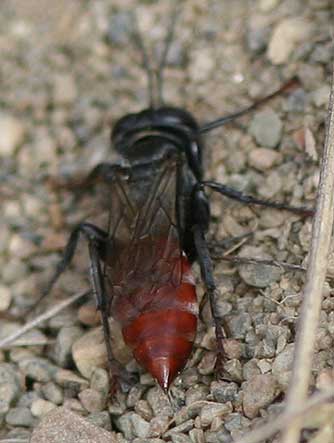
pixel 160 324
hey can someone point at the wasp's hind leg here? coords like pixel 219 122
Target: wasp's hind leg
pixel 200 209
pixel 205 263
pixel 102 172
pixel 116 370
pixel 250 200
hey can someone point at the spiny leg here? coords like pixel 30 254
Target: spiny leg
pixel 96 239
pixel 103 172
pixel 116 370
pixel 205 262
pixel 88 230
pixel 248 199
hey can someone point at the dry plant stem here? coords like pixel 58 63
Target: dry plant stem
pixel 260 434
pixel 257 261
pixel 38 320
pixel 315 277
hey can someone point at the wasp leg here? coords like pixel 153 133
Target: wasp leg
pixel 116 370
pixel 96 239
pixel 90 231
pixel 205 262
pixel 248 199
pixel 103 172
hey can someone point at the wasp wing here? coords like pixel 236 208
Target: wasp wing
pixel 144 252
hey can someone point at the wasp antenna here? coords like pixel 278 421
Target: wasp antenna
pixel 290 85
pixel 167 45
pixel 146 63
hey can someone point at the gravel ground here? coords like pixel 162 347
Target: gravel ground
pixel 67 71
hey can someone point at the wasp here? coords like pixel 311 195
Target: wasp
pixel 159 215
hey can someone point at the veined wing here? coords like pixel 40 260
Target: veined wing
pixel 144 254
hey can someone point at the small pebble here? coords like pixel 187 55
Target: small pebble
pixel 266 128
pixel 144 410
pixel 9 383
pixel 212 410
pixel 100 419
pixel 286 36
pixel 282 366
pixel 27 399
pixel 320 96
pixel 37 368
pixel 125 425
pixel 259 392
pixel 20 416
pixel 12 134
pixel 41 407
pixel 223 391
pixel 69 379
pixel 141 427
pixel 207 364
pixel 259 276
pixel 64 89
pixel 239 324
pixel 263 158
pixel 196 393
pixel 89 351
pixel 197 436
pixel 100 381
pixel 5 298
pixel 63 349
pixel 134 395
pixel 92 400
pixel 180 438
pixel 182 428
pixel 233 370
pixel 159 401
pixel 53 393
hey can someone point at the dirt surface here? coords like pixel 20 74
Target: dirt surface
pixel 68 71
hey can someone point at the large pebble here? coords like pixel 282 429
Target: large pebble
pixel 89 351
pixel 258 393
pixel 62 425
pixel 286 36
pixel 12 134
pixel 266 128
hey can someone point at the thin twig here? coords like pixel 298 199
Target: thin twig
pixel 315 278
pixel 260 434
pixel 257 261
pixel 38 320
